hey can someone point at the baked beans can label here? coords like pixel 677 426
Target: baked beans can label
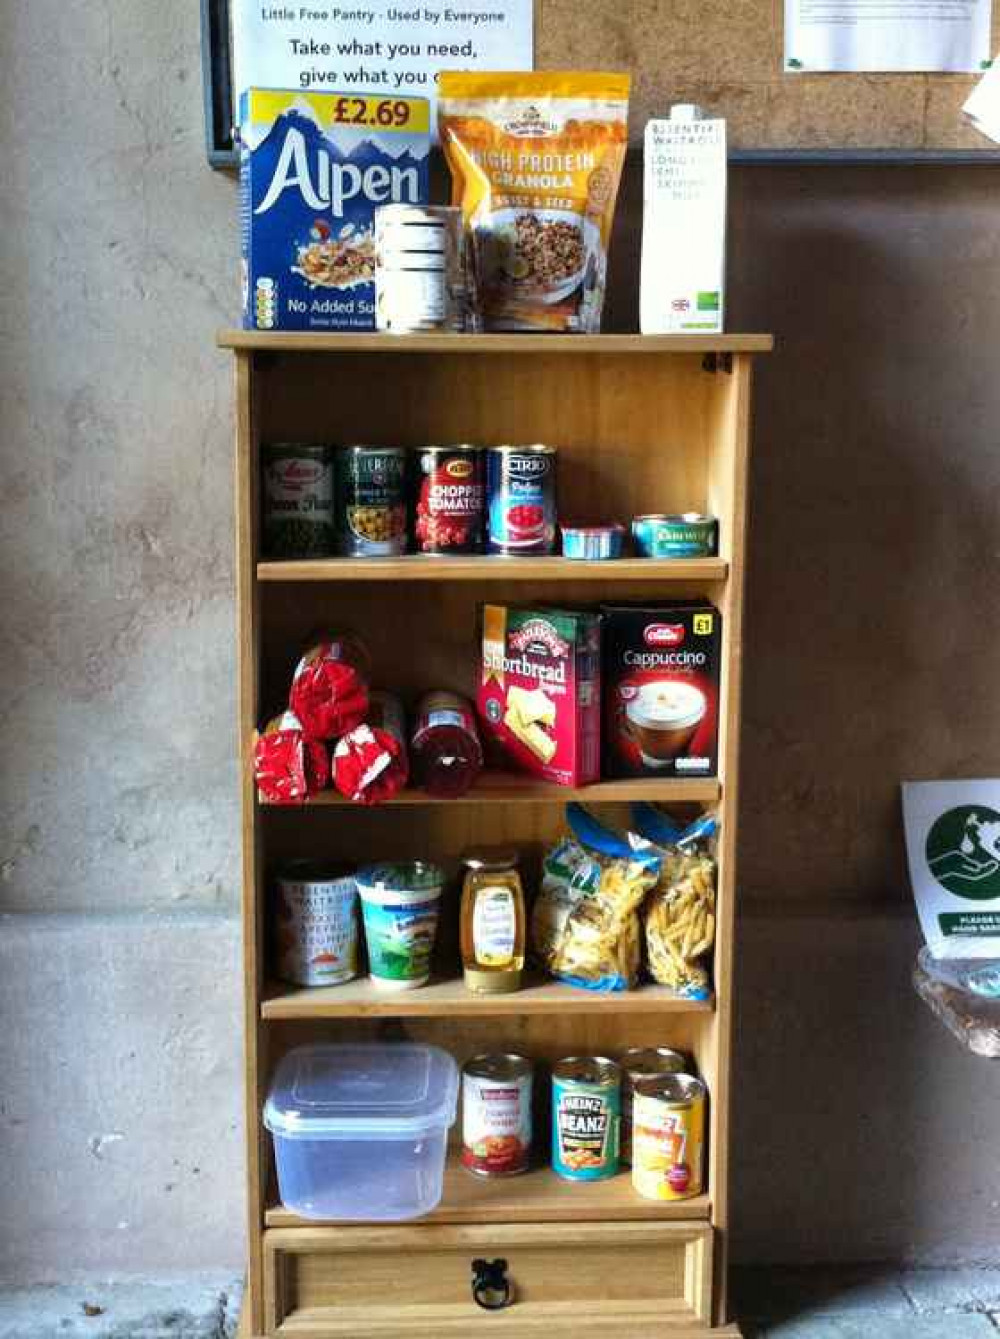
pixel 586 1115
pixel 521 499
pixel 496 1115
pixel 371 501
pixel 450 500
pixel 668 1137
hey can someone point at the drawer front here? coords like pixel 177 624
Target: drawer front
pixel 638 1278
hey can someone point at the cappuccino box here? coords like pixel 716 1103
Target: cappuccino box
pixel 661 689
pixel 314 167
pixel 539 697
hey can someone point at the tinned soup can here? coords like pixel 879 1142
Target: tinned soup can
pixel 496 1115
pixel 586 1112
pixel 315 924
pixel 668 1137
pixel 643 1062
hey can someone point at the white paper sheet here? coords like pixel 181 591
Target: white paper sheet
pixel 887 35
pixel 375 46
pixel 983 105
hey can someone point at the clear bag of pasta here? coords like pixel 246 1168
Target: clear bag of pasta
pixel 585 926
pixel 679 913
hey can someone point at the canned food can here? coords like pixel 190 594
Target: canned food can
pixel 371 501
pixel 496 1115
pixel 315 924
pixel 688 535
pixel 421 269
pixel 586 1113
pixel 298 518
pixel 521 499
pixel 592 543
pixel 451 497
pixel 643 1062
pixel 668 1137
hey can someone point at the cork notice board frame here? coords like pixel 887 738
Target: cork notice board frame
pixel 726 55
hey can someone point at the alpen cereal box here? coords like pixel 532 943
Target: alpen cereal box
pixel 314 167
pixel 540 691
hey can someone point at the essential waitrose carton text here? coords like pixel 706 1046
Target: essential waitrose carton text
pixel 314 167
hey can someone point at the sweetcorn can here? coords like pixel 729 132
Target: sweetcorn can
pixel 586 1113
pixel 643 1062
pixel 668 1137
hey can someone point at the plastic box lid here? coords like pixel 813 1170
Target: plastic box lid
pixel 388 1091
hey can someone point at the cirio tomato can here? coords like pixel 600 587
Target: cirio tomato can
pixel 521 499
pixel 496 1115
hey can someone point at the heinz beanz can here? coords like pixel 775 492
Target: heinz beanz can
pixel 668 1137
pixel 521 499
pixel 586 1113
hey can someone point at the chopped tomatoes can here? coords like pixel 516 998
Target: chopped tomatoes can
pixel 586 1118
pixel 496 1115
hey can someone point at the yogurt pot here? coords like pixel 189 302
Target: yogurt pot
pixel 400 902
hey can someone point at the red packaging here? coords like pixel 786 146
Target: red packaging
pixel 445 749
pixel 450 500
pixel 369 762
pixel 661 689
pixel 329 692
pixel 540 690
pixel 287 766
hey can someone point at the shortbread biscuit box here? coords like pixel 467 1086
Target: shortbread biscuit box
pixel 314 167
pixel 539 694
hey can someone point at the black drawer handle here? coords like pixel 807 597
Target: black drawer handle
pixel 490 1284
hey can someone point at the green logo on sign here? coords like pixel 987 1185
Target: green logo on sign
pixel 963 852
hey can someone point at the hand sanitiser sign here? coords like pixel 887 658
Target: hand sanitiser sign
pixel 953 848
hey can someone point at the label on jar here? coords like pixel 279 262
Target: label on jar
pixel 494 926
pixel 496 1124
pixel 316 930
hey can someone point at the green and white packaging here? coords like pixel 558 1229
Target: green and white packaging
pixel 953 848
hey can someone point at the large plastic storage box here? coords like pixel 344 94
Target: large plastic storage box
pixel 360 1131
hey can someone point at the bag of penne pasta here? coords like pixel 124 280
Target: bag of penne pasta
pixel 585 927
pixel 679 913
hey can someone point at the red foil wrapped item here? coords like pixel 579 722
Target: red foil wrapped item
pixel 370 763
pixel 287 766
pixel 329 691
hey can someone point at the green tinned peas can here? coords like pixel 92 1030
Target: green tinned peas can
pixel 687 535
pixel 298 500
pixel 586 1117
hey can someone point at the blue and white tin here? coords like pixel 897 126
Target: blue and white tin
pixel 592 543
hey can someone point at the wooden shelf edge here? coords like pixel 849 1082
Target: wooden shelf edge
pixel 414 567
pixel 309 341
pixel 539 1196
pixel 509 788
pixel 450 998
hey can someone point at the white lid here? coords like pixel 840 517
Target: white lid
pixel 686 111
pixel 387 1091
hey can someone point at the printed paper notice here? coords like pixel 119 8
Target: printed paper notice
pixel 872 36
pixel 376 47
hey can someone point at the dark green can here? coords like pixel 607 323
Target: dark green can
pixel 298 500
pixel 371 501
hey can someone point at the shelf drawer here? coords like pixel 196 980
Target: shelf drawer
pixel 636 1278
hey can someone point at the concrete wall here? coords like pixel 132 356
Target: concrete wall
pixel 862 1129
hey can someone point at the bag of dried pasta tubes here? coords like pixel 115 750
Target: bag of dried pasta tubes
pixel 679 914
pixel 585 922
pixel 535 162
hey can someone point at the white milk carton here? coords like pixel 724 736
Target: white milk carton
pixel 684 224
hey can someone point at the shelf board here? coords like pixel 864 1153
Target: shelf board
pixel 413 567
pixel 277 341
pixel 539 1196
pixel 512 788
pixel 360 999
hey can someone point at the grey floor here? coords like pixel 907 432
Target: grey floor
pixel 870 1302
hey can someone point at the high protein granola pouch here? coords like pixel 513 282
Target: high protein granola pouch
pixel 535 162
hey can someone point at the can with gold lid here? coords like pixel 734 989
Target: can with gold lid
pixel 668 1137
pixel 644 1062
